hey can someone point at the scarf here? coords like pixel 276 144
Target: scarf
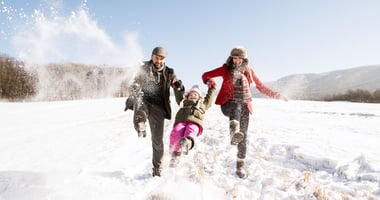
pixel 242 93
pixel 190 103
pixel 157 73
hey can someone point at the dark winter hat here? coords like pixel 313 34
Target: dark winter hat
pixel 239 51
pixel 159 51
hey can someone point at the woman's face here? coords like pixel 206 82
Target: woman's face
pixel 237 60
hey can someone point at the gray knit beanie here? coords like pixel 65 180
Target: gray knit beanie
pixel 159 51
pixel 239 51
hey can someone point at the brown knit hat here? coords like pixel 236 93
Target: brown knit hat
pixel 239 51
pixel 159 51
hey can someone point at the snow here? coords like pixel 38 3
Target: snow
pixel 88 149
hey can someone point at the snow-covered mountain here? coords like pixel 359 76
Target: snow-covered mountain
pixel 317 86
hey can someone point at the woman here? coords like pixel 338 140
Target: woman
pixel 235 99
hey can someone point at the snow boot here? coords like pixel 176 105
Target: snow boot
pixel 235 134
pixel 156 171
pixel 139 121
pixel 175 159
pixel 186 145
pixel 141 131
pixel 241 170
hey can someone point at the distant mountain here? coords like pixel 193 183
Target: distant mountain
pixel 317 86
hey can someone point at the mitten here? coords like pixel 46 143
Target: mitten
pixel 211 83
pixel 178 85
pixel 280 96
pixel 129 103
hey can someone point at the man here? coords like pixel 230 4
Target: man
pixel 150 99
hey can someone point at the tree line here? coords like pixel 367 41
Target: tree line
pixel 358 95
pixel 15 82
pixel 60 81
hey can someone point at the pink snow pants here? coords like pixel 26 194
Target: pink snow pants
pixel 180 130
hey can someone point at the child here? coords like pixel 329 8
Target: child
pixel 188 122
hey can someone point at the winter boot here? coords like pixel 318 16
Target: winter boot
pixel 241 170
pixel 139 120
pixel 175 159
pixel 236 135
pixel 156 171
pixel 141 131
pixel 186 145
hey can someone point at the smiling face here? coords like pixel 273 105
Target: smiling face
pixel 237 60
pixel 193 96
pixel 158 61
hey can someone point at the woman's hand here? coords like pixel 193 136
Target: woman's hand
pixel 281 97
pixel 211 83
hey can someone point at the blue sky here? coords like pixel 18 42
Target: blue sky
pixel 282 37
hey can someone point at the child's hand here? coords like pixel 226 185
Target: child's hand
pixel 211 83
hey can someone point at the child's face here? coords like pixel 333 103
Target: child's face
pixel 193 95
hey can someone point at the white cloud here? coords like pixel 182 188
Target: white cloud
pixel 75 38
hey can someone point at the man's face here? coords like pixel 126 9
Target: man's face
pixel 158 61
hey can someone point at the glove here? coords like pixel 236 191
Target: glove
pixel 178 85
pixel 211 83
pixel 129 103
pixel 280 96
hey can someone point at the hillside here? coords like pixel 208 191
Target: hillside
pixel 317 86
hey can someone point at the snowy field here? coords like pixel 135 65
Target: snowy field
pixel 88 149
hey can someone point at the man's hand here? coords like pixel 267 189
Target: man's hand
pixel 178 85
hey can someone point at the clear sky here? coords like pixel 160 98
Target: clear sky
pixel 282 37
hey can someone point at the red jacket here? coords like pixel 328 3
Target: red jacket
pixel 226 92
